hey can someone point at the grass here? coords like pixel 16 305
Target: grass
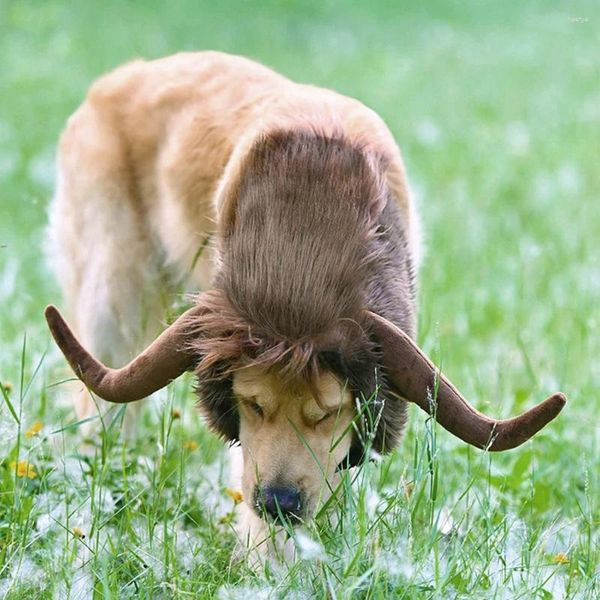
pixel 496 107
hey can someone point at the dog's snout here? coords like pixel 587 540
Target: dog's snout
pixel 279 501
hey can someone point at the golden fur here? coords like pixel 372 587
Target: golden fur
pixel 148 170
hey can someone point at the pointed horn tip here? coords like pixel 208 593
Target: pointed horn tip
pixel 50 311
pixel 55 320
pixel 530 423
pixel 549 409
pixel 52 314
pixel 555 403
pixel 559 399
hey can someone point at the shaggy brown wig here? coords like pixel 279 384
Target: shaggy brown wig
pixel 315 239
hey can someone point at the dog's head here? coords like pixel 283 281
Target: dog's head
pixel 293 437
pixel 302 412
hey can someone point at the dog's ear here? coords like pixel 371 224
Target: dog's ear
pixel 217 404
pixel 381 416
pixel 355 456
pixel 380 424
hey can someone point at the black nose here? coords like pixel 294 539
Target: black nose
pixel 279 501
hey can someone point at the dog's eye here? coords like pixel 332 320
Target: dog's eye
pixel 333 413
pixel 254 407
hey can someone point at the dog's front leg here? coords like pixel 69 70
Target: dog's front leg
pixel 257 541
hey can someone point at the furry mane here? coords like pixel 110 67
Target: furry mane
pixel 300 261
pixel 296 260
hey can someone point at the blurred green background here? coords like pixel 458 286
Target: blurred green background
pixel 494 105
pixel 496 108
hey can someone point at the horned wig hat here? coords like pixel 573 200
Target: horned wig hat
pixel 412 374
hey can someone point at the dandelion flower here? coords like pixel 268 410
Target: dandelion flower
pixel 24 468
pixel 190 445
pixel 561 559
pixel 34 429
pixel 234 495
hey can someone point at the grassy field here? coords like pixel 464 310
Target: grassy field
pixel 496 108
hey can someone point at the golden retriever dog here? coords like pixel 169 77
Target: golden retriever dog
pixel 286 207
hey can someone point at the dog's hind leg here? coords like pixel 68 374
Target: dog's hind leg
pixel 104 258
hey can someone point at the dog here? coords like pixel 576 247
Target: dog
pixel 287 207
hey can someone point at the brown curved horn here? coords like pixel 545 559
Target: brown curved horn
pixel 164 360
pixel 414 375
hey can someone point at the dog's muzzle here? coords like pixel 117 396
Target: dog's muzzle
pixel 279 502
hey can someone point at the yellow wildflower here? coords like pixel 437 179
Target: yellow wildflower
pixel 34 429
pixel 175 414
pixel 227 519
pixel 561 559
pixel 190 445
pixel 234 495
pixel 78 532
pixel 24 469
